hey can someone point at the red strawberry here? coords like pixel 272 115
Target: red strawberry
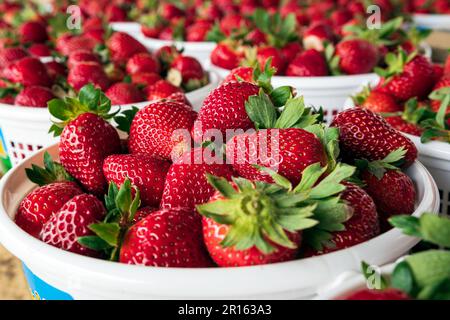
pixel 177 231
pixel 402 125
pixel 8 55
pixel 124 93
pixel 224 108
pixel 55 69
pixel 377 101
pixel 407 77
pixel 265 53
pixel 28 71
pixel 166 54
pixel 152 129
pixel 84 73
pixel 42 203
pixel 34 96
pixel 67 44
pixel 115 13
pixel 123 46
pixel 142 62
pixel 170 11
pixel 198 31
pixel 286 151
pixel 71 222
pixel 78 56
pixel 291 50
pixel 225 57
pixel 239 73
pixel 39 50
pixel 145 172
pixel 357 56
pixel 186 185
pixel 145 79
pixel 442 83
pixel 32 32
pixel 438 71
pixel 309 63
pixel 316 35
pixel 187 72
pixel 362 226
pixel 231 23
pixel 152 24
pixel 364 134
pixel 370 294
pixel 160 90
pixel 256 37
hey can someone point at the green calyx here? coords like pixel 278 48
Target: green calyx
pixel 67 109
pixel 52 172
pixel 153 20
pixel 121 208
pixel 395 64
pixel 379 167
pixel 379 36
pixel 329 136
pixel 361 97
pixel 124 119
pixel 259 213
pixel 332 59
pixel 279 31
pixel 436 126
pixel 215 34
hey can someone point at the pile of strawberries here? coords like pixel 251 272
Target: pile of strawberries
pixel 286 186
pixel 427 7
pixel 413 95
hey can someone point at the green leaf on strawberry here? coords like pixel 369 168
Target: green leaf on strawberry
pixel 124 119
pixel 378 167
pixel 51 172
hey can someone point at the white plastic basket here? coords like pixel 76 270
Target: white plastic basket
pixel 132 28
pixel 432 21
pixel 328 92
pixel 56 274
pixel 435 156
pixel 25 129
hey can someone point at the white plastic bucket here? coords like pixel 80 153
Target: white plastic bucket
pixel 432 21
pixel 435 156
pixel 56 274
pixel 329 92
pixel 25 129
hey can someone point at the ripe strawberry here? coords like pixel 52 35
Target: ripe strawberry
pixel 122 47
pixel 224 108
pixel 32 32
pixel 145 172
pixel 34 96
pixel 364 134
pixel 66 44
pixel 186 185
pixel 142 62
pixel 170 11
pixel 198 31
pixel 231 23
pixel 290 51
pixel 166 54
pixel 402 125
pixel 71 222
pixel 28 71
pixel 362 226
pixel 442 83
pixel 124 93
pixel 256 37
pixel 239 73
pixel 152 24
pixel 115 13
pixel 370 294
pixel 8 55
pixel 187 72
pixel 438 71
pixel 377 101
pixel 177 231
pixel 152 129
pixel 42 203
pixel 286 151
pixel 265 53
pixel 55 69
pixel 309 63
pixel 160 90
pixel 39 50
pixel 407 77
pixel 145 79
pixel 225 57
pixel 357 56
pixel 316 35
pixel 84 73
pixel 87 139
pixel 78 56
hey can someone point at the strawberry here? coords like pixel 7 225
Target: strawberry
pixel 71 221
pixel 66 44
pixel 231 23
pixel 224 108
pixel 188 73
pixel 291 50
pixel 145 79
pixel 122 47
pixel 309 63
pixel 407 76
pixel 371 294
pixel 364 134
pixel 225 57
pixel 152 24
pixel 186 184
pixel 402 125
pixel 256 37
pixel 444 82
pixel 124 93
pixel 316 35
pixel 39 50
pixel 377 101
pixel 142 62
pixel 174 230
pixel 42 203
pixel 115 13
pixel 274 223
pixel 28 71
pixel 160 90
pixel 152 129
pixel 34 96
pixel 32 32
pixel 84 73
pixel 362 226
pixel 392 190
pixel 239 73
pixel 356 56
pixel 166 54
pixel 145 172
pixel 78 56
pixel 8 55
pixel 86 138
pixel 438 71
pixel 263 54
pixel 198 31
pixel 55 69
pixel 170 11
